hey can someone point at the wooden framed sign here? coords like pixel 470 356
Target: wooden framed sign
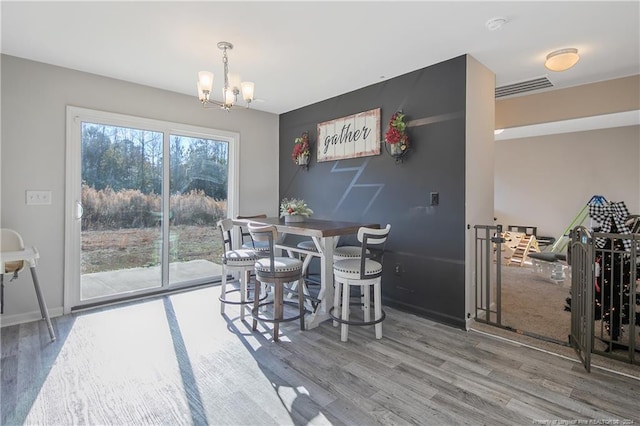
pixel 353 136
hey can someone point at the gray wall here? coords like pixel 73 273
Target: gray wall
pixel 427 244
pixel 34 99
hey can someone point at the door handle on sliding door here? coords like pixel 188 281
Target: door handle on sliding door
pixel 79 210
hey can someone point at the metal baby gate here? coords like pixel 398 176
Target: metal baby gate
pixel 604 301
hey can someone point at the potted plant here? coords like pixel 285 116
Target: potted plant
pixel 301 150
pixel 294 210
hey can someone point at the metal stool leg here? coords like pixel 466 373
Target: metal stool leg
pixel 43 305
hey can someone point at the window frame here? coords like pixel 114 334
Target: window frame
pixel 73 175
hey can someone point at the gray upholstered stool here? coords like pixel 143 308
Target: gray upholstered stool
pixel 307 252
pixel 247 242
pixel 275 271
pixel 242 261
pixel 310 247
pixel 346 252
pixel 364 272
pixel 307 245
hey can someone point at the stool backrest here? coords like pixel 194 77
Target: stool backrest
pixel 244 233
pixel 225 226
pixel 10 240
pixel 268 233
pixel 373 243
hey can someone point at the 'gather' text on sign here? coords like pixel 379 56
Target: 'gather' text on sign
pixel 356 135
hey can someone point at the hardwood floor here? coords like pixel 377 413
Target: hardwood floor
pixel 176 361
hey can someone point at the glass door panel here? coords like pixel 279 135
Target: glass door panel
pixel 198 182
pixel 121 233
pixel 142 201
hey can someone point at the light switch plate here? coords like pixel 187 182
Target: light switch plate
pixel 35 198
pixel 434 198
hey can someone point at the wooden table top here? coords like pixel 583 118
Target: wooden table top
pixel 313 227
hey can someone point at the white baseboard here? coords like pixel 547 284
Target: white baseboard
pixel 7 320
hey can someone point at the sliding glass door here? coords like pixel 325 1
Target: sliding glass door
pixel 143 198
pixel 198 175
pixel 121 202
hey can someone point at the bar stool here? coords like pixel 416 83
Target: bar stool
pixel 347 252
pixel 247 242
pixel 275 271
pixel 308 253
pixel 235 260
pixel 364 272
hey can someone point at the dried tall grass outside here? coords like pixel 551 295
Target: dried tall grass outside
pixel 107 209
pixel 196 208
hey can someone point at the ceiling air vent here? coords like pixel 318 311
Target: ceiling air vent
pixel 523 86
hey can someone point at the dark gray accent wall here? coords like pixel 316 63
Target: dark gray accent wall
pixel 424 266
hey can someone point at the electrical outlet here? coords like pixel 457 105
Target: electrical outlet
pixel 398 269
pixel 434 198
pixel 35 198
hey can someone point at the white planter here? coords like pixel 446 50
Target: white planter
pixel 302 160
pixel 294 218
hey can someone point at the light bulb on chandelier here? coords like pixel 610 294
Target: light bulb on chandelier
pixel 232 85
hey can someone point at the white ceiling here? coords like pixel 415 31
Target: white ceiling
pixel 299 53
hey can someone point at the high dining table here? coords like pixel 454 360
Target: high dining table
pixel 325 234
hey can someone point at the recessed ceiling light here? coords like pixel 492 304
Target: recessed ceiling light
pixel 495 23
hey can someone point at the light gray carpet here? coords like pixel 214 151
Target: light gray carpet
pixel 534 304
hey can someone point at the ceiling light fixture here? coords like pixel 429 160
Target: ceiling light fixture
pixel 562 60
pixel 232 84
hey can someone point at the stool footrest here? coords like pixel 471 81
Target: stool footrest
pixel 255 315
pixel 356 322
pixel 233 302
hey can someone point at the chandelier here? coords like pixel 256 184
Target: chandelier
pixel 232 85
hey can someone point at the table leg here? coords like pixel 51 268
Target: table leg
pixel 326 282
pixel 43 305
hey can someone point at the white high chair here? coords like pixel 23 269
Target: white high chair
pixel 13 258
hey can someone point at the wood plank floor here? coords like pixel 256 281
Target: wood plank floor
pixel 176 361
